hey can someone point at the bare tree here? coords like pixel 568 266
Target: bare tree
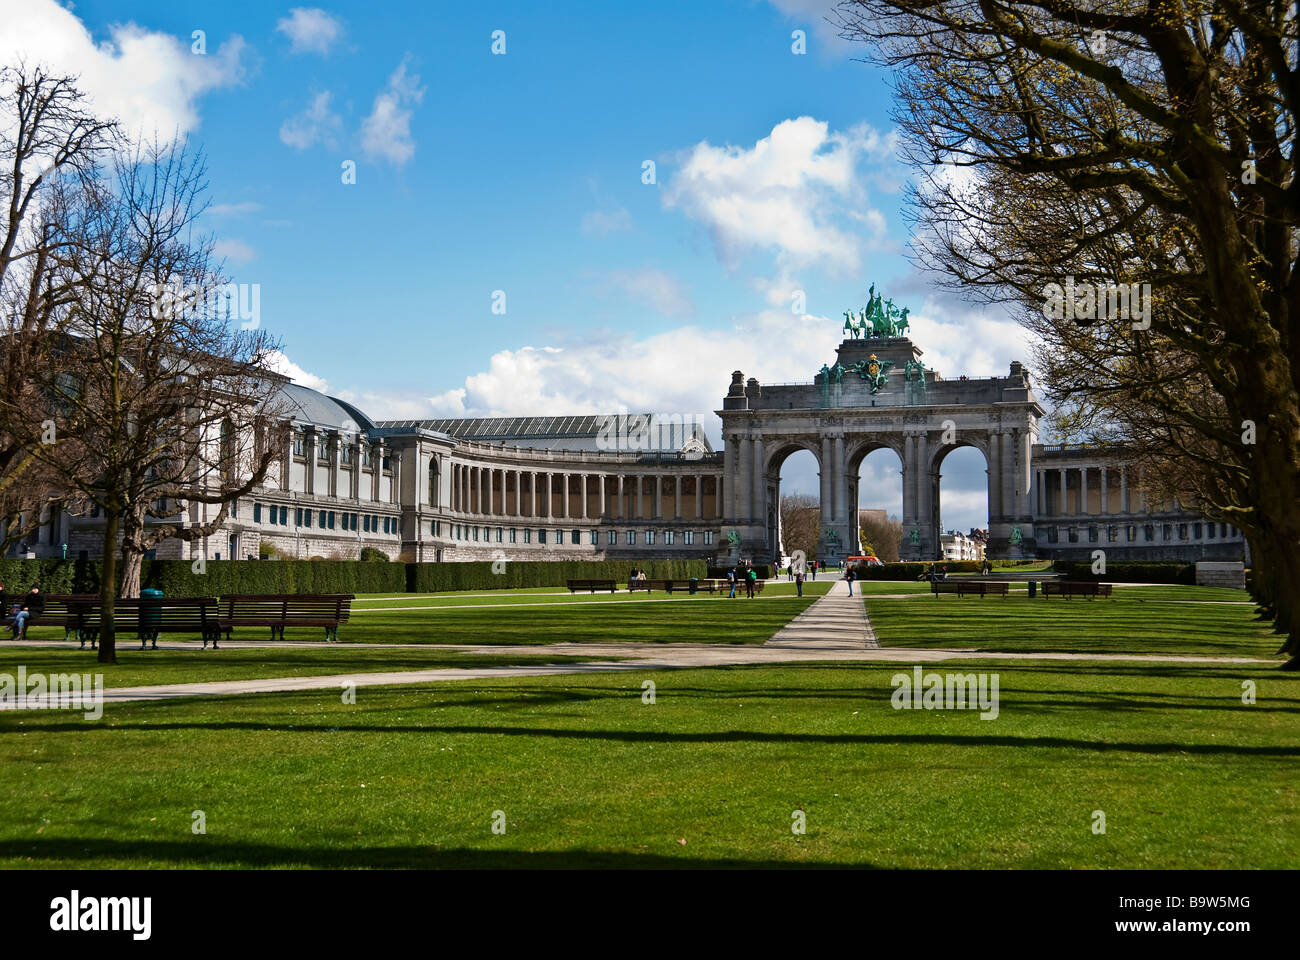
pixel 800 523
pixel 885 534
pixel 1070 152
pixel 49 142
pixel 166 390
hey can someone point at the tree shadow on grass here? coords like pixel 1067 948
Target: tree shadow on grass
pixel 704 737
pixel 202 852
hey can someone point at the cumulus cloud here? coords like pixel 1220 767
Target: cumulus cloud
pixel 281 364
pixel 150 81
pixel 788 194
pixel 316 124
pixel 386 132
pixel 817 17
pixel 310 30
pixel 607 221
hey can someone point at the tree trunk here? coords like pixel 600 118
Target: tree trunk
pixel 131 559
pixel 108 590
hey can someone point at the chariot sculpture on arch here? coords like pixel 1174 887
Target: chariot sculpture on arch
pixel 879 318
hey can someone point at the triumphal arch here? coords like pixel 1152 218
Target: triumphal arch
pixel 878 393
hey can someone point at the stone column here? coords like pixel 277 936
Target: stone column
pixel 603 480
pixel 840 486
pixel 729 468
pixel 640 497
pixel 564 496
pixel 699 496
pixel 757 508
pixel 909 483
pixel 1060 499
pixel 1105 494
pixel 995 477
pixel 1123 488
pixel 924 482
pixel 677 497
pixel 717 496
pixel 658 511
pixel 825 496
pixel 1010 488
pixel 619 504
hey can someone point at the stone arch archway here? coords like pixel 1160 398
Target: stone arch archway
pixel 842 421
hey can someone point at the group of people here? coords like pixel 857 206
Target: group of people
pixel 745 574
pixel 812 566
pixel 19 608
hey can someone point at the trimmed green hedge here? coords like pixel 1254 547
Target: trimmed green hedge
pixel 912 569
pixel 510 574
pixel 1129 572
pixel 764 571
pixel 176 578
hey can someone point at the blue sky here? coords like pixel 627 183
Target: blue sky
pixel 776 172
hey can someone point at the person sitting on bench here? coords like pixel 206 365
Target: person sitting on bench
pixel 32 605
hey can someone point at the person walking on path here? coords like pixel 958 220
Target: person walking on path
pixel 813 569
pixel 731 578
pixel 798 582
pixel 750 578
pixel 848 576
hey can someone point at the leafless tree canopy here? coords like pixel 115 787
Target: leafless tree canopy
pixel 1089 145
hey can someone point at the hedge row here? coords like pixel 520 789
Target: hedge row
pixel 508 574
pixel 1129 572
pixel 912 569
pixel 763 570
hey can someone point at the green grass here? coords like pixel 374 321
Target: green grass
pixel 588 775
pixel 137 667
pixel 1017 624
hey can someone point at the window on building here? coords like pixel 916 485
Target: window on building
pixel 1182 531
pixel 345 454
pixel 708 538
pixel 366 523
pixel 257 513
pixel 688 537
pixel 528 535
pixel 234 512
pixel 1148 532
pixel 1167 531
pixel 668 538
pixel 297 445
pixel 388 466
pixel 575 536
pixel 1092 534
pixel 499 531
pixel 631 538
pixel 1053 535
pixel 1196 531
pixel 297 516
pixel 612 538
pixel 541 536
pixel 331 519
pixel 475 534
pixel 1073 534
pixel 595 538
pixel 365 455
pixel 354 521
pixel 1209 530
pixel 284 515
pixel 306 517
pixel 1131 533
pixel 433 481
pixel 514 534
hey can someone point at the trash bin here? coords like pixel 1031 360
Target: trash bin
pixel 1033 589
pixel 150 620
pixel 694 586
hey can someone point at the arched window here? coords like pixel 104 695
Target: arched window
pixel 433 481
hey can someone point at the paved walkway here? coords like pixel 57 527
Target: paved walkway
pixel 834 628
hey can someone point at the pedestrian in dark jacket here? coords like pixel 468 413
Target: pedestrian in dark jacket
pixel 33 605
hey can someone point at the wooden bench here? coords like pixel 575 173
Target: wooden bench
pixel 592 585
pixel 1075 588
pixel 151 617
pixel 285 610
pixel 61 610
pixel 964 587
pixel 725 586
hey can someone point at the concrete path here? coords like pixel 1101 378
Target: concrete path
pixel 835 622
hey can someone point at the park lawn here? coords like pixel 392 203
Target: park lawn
pixel 543 595
pixel 136 667
pixel 688 620
pixel 1017 624
pixel 586 774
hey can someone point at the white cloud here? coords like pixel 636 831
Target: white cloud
pixel 812 16
pixel 235 250
pixel 786 195
pixel 607 221
pixel 234 209
pixel 386 132
pixel 150 81
pixel 656 289
pixel 316 124
pixel 310 30
pixel 281 364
